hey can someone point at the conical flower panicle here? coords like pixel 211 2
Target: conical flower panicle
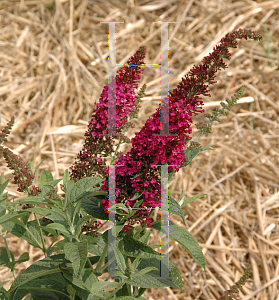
pixel 88 163
pixel 148 150
pixel 23 175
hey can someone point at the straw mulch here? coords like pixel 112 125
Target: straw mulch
pixel 54 63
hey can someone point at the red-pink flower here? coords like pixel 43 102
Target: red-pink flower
pixel 87 163
pixel 149 150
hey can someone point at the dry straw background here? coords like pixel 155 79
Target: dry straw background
pixel 54 65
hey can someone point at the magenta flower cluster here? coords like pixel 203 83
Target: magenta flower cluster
pixel 139 173
pixel 149 150
pixel 88 163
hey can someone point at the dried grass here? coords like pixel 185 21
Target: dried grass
pixel 53 58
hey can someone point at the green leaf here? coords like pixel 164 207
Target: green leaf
pixel 92 246
pixel 91 206
pixel 11 216
pixel 143 271
pixel 43 278
pixel 4 258
pixel 2 180
pixel 174 208
pixel 84 284
pixel 59 247
pixel 120 260
pixel 184 201
pixel 136 262
pixel 77 253
pixel 191 153
pixel 80 224
pixel 154 280
pixel 102 285
pixel 61 228
pixel 139 245
pixel 52 183
pixel 50 230
pixel 136 196
pixel 4 185
pixel 32 200
pixel 2 211
pixel 66 177
pixel 24 231
pixel 3 198
pixel 70 212
pixel 94 192
pixel 68 188
pixel 24 257
pixel 53 214
pixel 116 208
pixel 3 283
pixel 82 186
pixel 185 239
pixel 38 167
pixel 45 177
pixel 155 277
pixel 130 298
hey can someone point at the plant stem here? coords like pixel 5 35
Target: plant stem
pixel 41 234
pixel 102 258
pixel 9 254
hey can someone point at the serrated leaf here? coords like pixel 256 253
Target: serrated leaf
pixel 91 206
pixel 136 196
pixel 11 216
pixel 53 183
pixel 120 260
pixel 92 246
pixel 2 211
pixel 185 239
pixel 3 198
pixel 139 245
pixel 26 232
pixel 2 180
pixel 77 253
pixel 102 285
pixel 32 200
pixel 66 177
pixel 84 284
pixel 59 246
pixel 80 224
pixel 186 201
pixel 41 275
pixel 4 257
pixel 174 208
pixel 24 257
pixel 82 186
pixel 50 230
pixel 144 271
pixel 61 228
pixel 45 177
pixel 53 214
pixel 174 279
pixel 3 283
pixel 191 153
pixel 4 184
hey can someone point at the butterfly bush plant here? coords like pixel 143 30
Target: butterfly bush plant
pixel 67 271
